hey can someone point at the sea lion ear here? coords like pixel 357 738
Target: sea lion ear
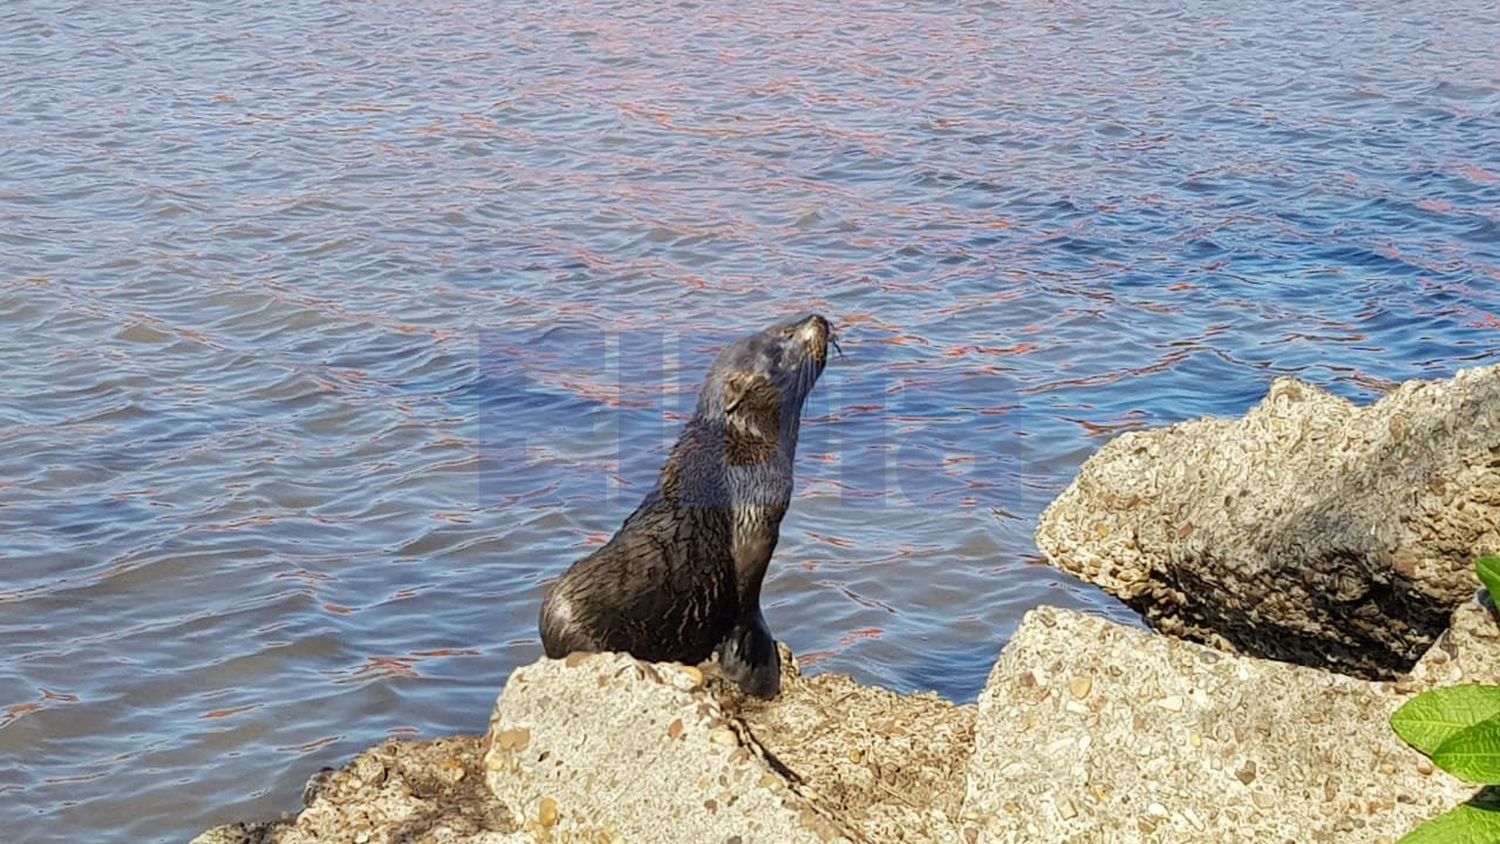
pixel 735 389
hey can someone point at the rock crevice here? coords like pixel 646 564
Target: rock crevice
pixel 1311 530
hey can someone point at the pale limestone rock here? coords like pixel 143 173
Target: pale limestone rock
pixel 604 746
pixel 240 832
pixel 398 792
pixel 1087 732
pixel 890 766
pixel 1311 530
pixel 1179 742
pixel 1467 652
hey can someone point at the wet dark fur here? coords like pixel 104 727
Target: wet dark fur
pixel 681 579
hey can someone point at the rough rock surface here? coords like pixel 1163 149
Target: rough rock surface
pixel 1087 732
pixel 398 792
pixel 602 747
pixel 1093 732
pixel 1311 530
pixel 1467 652
pixel 891 767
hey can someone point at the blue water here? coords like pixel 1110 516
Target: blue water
pixel 330 331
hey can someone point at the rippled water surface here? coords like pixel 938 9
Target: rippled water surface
pixel 330 331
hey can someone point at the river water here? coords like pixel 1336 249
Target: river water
pixel 331 330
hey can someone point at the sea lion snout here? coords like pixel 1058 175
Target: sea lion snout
pixel 814 332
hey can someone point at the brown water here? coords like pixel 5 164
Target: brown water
pixel 331 330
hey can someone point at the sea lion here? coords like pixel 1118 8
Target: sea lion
pixel 680 581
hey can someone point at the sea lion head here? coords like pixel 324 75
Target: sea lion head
pixel 758 384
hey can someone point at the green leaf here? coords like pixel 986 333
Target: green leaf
pixel 1488 569
pixel 1433 717
pixel 1472 753
pixel 1470 823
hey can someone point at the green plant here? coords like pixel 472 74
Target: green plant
pixel 1458 727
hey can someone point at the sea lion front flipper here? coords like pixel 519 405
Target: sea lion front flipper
pixel 748 657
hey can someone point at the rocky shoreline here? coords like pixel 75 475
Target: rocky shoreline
pixel 1336 538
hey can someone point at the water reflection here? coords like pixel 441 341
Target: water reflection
pixel 289 441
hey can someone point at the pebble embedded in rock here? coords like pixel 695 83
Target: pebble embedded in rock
pixel 515 739
pixel 451 771
pixel 546 813
pixel 1246 772
pixel 369 769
